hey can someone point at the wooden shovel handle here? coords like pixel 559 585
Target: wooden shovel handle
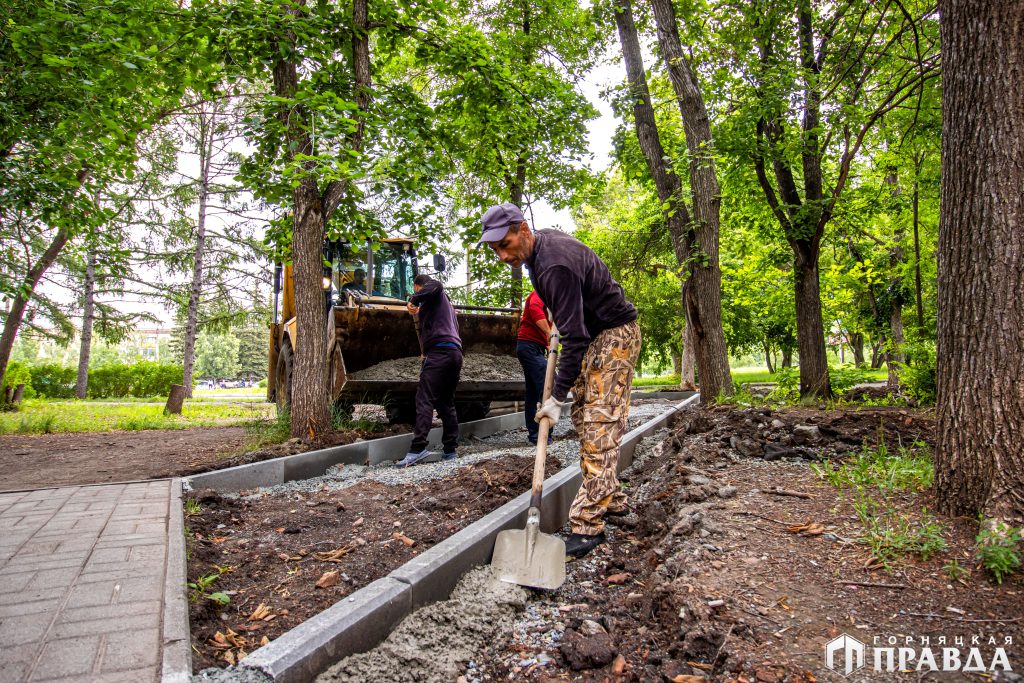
pixel 545 425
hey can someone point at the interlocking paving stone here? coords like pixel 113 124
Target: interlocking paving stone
pixel 82 581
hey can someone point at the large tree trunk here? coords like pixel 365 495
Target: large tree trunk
pixel 85 347
pixel 21 298
pixel 810 340
pixel 705 311
pixel 979 457
pixel 206 133
pixel 768 355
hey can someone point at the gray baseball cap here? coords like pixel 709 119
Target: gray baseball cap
pixel 497 221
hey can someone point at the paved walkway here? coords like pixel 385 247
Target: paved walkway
pixel 83 571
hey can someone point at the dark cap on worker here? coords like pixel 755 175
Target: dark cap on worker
pixel 498 219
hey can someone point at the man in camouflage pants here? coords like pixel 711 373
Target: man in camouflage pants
pixel 600 345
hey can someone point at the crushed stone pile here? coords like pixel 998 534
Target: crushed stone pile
pixel 432 643
pixel 476 367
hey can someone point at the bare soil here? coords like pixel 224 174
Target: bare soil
pixel 45 460
pixel 727 578
pixel 269 553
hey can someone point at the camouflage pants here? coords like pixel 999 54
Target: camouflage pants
pixel 599 412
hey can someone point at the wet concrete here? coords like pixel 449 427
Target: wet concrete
pixel 433 643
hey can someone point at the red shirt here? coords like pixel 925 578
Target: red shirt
pixel 533 311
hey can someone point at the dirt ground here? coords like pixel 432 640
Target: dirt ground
pixel 45 460
pixel 284 558
pixel 743 563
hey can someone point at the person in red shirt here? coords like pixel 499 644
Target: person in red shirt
pixel 531 348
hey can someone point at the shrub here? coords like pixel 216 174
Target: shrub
pixel 51 380
pixel 918 375
pixel 20 373
pixel 141 379
pixel 846 376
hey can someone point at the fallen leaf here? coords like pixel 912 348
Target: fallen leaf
pixel 219 539
pixel 688 678
pixel 618 579
pixel 279 529
pixel 399 536
pixel 229 657
pixel 328 579
pixel 242 654
pixel 335 555
pixel 264 641
pixel 219 641
pixel 808 528
pixel 259 613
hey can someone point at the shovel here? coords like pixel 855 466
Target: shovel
pixel 528 557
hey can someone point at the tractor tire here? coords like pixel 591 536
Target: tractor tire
pixel 285 368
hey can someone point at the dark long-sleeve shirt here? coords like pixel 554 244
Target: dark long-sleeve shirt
pixel 583 298
pixel 438 323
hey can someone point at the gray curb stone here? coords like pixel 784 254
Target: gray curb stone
pixel 177 647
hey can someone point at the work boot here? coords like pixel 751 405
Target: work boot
pixel 625 518
pixel 579 545
pixel 450 456
pixel 412 458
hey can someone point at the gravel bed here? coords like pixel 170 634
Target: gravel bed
pixel 512 442
pixel 476 367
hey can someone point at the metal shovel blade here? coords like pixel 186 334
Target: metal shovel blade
pixel 529 558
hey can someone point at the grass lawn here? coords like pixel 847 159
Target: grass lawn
pixel 38 416
pixel 739 376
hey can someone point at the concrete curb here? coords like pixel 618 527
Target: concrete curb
pixel 316 463
pixel 362 620
pixel 177 646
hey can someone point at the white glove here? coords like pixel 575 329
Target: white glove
pixel 550 409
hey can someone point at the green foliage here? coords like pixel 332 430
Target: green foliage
pixel 910 469
pixel 193 507
pixel 54 381
pixel 38 416
pixel 846 376
pixel 998 549
pixel 890 534
pixel 217 355
pixel 918 375
pixel 144 378
pixel 267 431
pixel 955 571
pixel 20 373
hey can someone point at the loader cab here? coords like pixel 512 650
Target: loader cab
pixel 360 273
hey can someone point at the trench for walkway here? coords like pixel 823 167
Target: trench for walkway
pixel 361 620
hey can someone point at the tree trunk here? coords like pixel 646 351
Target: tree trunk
pixel 706 278
pixel 688 371
pixel 810 340
pixel 206 133
pixel 917 247
pixel 857 347
pixel 877 354
pixel 979 460
pixel 787 356
pixel 85 348
pixel 175 400
pixel 768 358
pixel 19 302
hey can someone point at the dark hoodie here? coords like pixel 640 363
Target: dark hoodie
pixel 583 298
pixel 438 323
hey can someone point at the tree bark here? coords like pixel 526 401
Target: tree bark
pixel 677 218
pixel 85 347
pixel 706 279
pixel 206 133
pixel 810 341
pixel 175 400
pixel 979 459
pixel 688 369
pixel 768 358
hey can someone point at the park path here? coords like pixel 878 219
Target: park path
pixel 90 587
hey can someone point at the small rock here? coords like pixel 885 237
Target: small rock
pixel 778 424
pixel 618 579
pixel 587 652
pixel 619 665
pixel 806 433
pixel 328 580
pixel 749 448
pixel 589 627
pixel 727 492
pixel 697 480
